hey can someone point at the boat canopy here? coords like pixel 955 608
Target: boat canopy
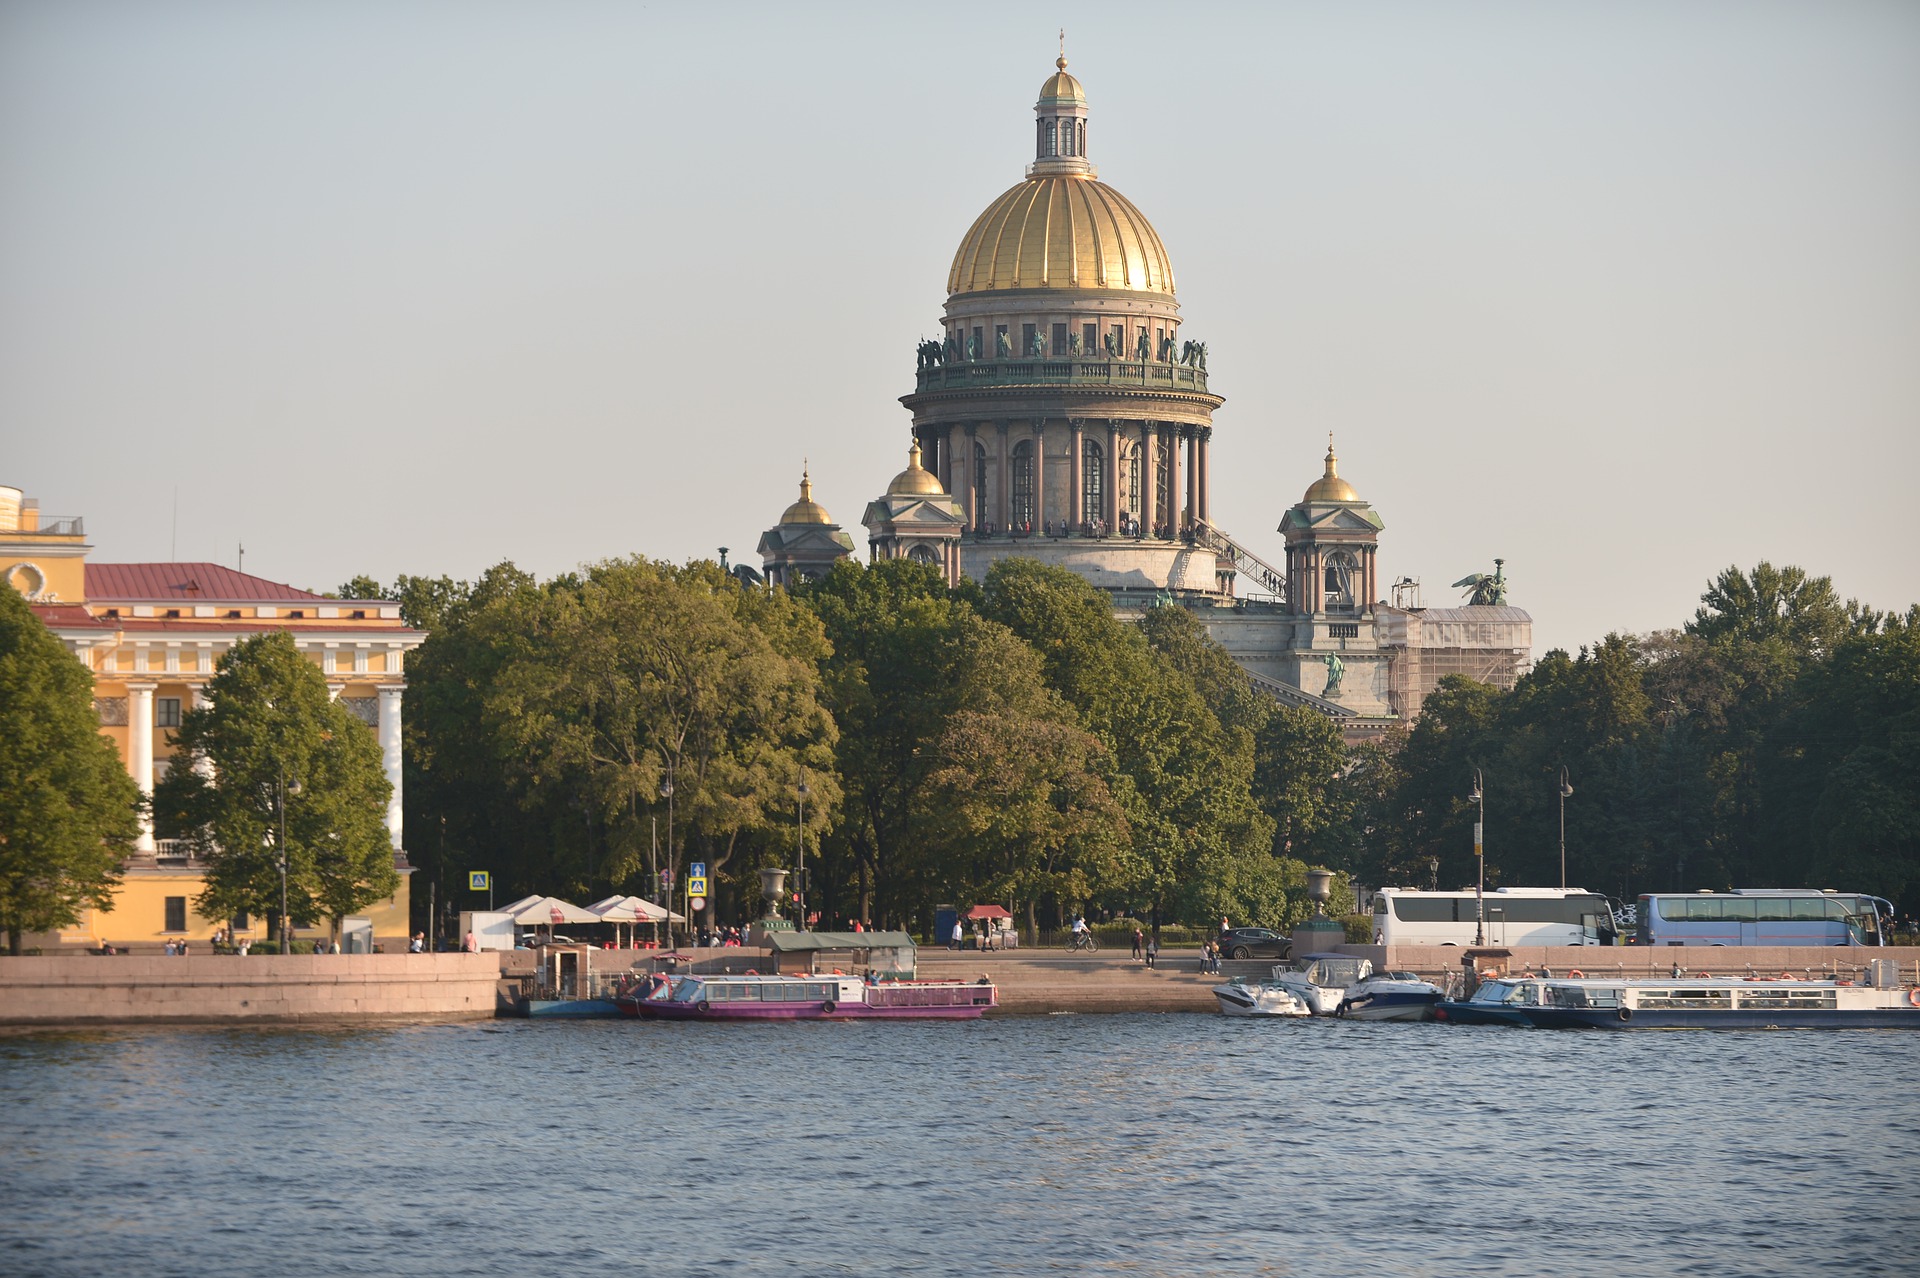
pixel 889 953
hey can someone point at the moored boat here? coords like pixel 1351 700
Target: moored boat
pixel 1498 1001
pixel 805 998
pixel 1720 1003
pixel 1268 998
pixel 1321 981
pixel 1390 996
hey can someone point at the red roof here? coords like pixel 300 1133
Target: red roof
pixel 205 583
pixel 988 912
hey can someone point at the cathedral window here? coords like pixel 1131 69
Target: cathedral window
pixel 1339 583
pixel 924 555
pixel 978 496
pixel 1022 512
pixel 1029 341
pixel 1131 486
pixel 1090 338
pixel 1059 341
pixel 1066 137
pixel 1047 140
pixel 1163 489
pixel 1093 483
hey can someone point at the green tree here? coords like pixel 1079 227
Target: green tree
pixel 277 743
pixel 68 810
pixel 1183 778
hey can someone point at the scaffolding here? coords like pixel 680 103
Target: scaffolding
pixel 1423 646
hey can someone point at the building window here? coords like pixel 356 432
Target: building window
pixel 1059 341
pixel 1048 138
pixel 1090 339
pixel 297 613
pixel 173 613
pixel 979 336
pixel 1133 481
pixel 359 614
pixel 241 922
pixel 233 614
pixel 1093 483
pixel 1066 137
pixel 924 555
pixel 176 914
pixel 1029 338
pixel 977 498
pixel 166 712
pixel 1339 580
pixel 1022 514
pixel 112 612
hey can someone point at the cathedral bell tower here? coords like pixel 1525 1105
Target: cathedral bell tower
pixel 1333 540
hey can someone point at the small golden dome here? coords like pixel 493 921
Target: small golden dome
pixel 915 481
pixel 806 510
pixel 1330 487
pixel 1061 231
pixel 1061 87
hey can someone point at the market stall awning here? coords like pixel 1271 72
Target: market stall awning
pixel 799 942
pixel 549 911
pixel 632 909
pixel 989 912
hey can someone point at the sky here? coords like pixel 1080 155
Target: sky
pixel 1623 293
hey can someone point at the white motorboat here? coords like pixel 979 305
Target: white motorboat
pixel 1390 996
pixel 1321 981
pixel 1237 998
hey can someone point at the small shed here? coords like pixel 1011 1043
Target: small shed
pixel 804 953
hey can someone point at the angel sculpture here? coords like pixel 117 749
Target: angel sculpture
pixel 1486 589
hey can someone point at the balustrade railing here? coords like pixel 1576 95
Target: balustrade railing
pixel 1055 372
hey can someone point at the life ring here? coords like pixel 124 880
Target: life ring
pixel 1576 975
pixel 827 1007
pixel 1843 982
pixel 1708 976
pixel 1787 976
pixel 703 1007
pixel 1626 1013
pixel 1913 997
pixel 751 972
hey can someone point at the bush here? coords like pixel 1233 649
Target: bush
pixel 1359 928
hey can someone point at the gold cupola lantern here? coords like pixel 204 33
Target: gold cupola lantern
pixel 1330 487
pixel 915 480
pixel 806 510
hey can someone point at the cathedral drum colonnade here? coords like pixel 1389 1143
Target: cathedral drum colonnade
pixel 1061 403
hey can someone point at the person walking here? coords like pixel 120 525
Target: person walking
pixel 959 937
pixel 1153 950
pixel 1138 936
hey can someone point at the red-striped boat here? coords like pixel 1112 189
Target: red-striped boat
pixel 806 998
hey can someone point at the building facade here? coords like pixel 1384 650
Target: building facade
pixel 151 634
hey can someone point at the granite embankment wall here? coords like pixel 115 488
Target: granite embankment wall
pixel 75 989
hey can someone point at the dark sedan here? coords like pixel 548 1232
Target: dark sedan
pixel 1254 942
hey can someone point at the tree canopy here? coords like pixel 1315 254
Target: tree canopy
pixel 69 812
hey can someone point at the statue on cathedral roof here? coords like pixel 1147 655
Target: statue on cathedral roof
pixel 1486 589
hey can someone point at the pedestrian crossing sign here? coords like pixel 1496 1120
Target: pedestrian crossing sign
pixel 478 881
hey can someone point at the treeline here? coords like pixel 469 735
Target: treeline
pixel 1015 742
pixel 1774 741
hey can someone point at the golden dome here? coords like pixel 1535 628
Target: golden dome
pixel 1061 232
pixel 1061 87
pixel 1330 487
pixel 806 510
pixel 915 481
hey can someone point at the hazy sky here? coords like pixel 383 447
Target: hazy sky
pixel 1624 293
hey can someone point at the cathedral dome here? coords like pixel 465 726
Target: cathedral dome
pixel 915 480
pixel 1061 231
pixel 1061 228
pixel 806 510
pixel 1330 487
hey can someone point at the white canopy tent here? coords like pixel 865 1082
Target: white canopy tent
pixel 548 911
pixel 633 910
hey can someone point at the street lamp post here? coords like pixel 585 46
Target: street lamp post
pixel 666 792
pixel 1565 791
pixel 800 859
pixel 286 936
pixel 1479 798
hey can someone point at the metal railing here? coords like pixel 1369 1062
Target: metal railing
pixel 1062 372
pixel 1255 569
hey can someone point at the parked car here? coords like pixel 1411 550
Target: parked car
pixel 1254 942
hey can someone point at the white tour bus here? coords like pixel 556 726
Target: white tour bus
pixel 1514 916
pixel 1763 916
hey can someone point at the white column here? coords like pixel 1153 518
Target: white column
pixel 140 751
pixel 390 753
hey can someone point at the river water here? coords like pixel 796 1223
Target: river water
pixel 1148 1144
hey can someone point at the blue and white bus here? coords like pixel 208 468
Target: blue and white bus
pixel 1762 916
pixel 1514 916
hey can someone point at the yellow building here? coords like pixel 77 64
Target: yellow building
pixel 151 634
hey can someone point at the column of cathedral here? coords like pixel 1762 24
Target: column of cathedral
pixel 1039 474
pixel 1149 495
pixel 1002 507
pixel 1076 471
pixel 1173 479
